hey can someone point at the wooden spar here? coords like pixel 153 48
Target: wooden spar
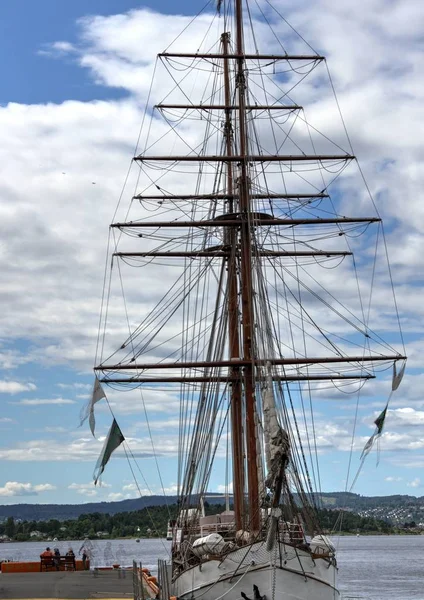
pixel 227 196
pixel 228 379
pixel 229 106
pixel 317 360
pixel 246 284
pixel 236 394
pixel 230 222
pixel 252 158
pixel 242 57
pixel 219 253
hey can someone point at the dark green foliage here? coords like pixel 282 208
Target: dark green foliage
pixel 152 522
pixel 383 504
pixel 148 522
pixel 9 527
pixel 349 522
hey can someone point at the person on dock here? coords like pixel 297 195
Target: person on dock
pixel 56 558
pixel 47 553
pixel 70 560
pixel 85 550
pixel 108 555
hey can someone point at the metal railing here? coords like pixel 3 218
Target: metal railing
pixel 138 585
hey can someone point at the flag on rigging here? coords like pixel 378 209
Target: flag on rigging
pixel 379 423
pixel 87 411
pixel 114 439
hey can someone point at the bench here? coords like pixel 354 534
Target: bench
pixel 47 562
pixel 62 563
pixel 68 563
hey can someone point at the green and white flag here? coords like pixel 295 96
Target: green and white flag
pixel 114 439
pixel 379 423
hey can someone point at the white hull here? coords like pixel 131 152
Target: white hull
pixel 283 574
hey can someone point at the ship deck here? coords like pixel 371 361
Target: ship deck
pixel 66 585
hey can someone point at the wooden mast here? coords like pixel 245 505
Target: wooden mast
pixel 233 317
pixel 246 281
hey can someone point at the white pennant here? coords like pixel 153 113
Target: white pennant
pixel 88 409
pixel 397 377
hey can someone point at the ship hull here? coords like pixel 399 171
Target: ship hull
pixel 284 574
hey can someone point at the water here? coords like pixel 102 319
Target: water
pixel 370 567
pixel 103 553
pixel 381 567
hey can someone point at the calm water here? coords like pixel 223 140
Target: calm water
pixel 370 567
pixel 381 567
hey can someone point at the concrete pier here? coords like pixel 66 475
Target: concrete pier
pixel 67 585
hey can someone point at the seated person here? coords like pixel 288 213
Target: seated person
pixel 47 553
pixel 56 558
pixel 70 563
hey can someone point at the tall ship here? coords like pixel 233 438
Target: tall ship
pixel 240 258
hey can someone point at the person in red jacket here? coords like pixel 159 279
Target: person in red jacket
pixel 47 553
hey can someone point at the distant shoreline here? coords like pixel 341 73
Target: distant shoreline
pixel 331 534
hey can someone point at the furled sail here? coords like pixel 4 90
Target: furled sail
pixel 277 443
pixel 258 432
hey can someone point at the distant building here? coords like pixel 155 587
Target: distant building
pixel 35 534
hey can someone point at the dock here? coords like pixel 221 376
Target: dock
pixel 115 584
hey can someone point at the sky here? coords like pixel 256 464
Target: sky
pixel 74 84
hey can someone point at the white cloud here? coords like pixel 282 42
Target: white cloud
pixel 75 386
pixel 85 489
pixel 169 490
pixel 87 492
pixel 130 487
pixel 406 417
pixel 110 49
pixel 393 479
pixel 11 358
pixel 414 483
pixel 131 490
pixel 42 401
pixel 63 47
pixel 15 488
pixel 115 496
pixel 85 486
pixel 56 49
pixel 86 449
pixel 54 429
pixel 14 387
pixel 224 489
pixel 44 487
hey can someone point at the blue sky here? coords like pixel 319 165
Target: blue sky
pixel 73 86
pixel 27 28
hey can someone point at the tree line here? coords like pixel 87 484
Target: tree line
pixel 152 522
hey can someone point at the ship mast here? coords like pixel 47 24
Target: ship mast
pixel 233 318
pixel 246 280
pixel 238 253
